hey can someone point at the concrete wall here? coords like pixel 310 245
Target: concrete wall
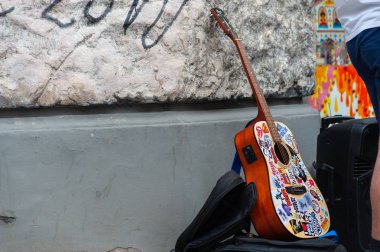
pixel 92 182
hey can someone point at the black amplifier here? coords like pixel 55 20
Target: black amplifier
pixel 346 154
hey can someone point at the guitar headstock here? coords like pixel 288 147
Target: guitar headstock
pixel 222 20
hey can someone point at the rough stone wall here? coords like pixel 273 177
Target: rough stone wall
pixel 170 51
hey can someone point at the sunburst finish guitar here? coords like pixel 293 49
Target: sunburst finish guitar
pixel 289 203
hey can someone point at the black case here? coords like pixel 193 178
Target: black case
pixel 346 153
pixel 223 224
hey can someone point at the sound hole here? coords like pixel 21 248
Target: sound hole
pixel 281 153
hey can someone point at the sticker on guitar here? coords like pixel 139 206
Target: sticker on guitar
pixel 298 201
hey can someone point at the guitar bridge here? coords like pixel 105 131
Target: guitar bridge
pixel 296 190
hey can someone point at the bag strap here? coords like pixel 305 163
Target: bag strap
pixel 236 164
pixel 331 235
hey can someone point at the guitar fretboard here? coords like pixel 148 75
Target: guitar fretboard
pixel 257 92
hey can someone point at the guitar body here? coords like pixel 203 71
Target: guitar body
pixel 278 213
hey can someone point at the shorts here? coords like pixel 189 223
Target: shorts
pixel 364 51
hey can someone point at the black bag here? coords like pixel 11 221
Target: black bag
pixel 223 224
pixel 225 213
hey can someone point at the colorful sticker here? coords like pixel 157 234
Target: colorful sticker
pixel 303 205
pixel 296 226
pixel 315 206
pixel 259 131
pixel 282 215
pixel 315 195
pixel 311 226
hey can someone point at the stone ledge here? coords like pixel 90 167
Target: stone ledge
pixel 45 65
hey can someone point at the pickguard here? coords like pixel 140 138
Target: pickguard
pixel 304 213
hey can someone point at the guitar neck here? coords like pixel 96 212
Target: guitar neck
pixel 263 108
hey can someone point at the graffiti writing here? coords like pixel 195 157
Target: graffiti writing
pixel 45 14
pixel 92 19
pixel 166 28
pixel 3 13
pixel 133 13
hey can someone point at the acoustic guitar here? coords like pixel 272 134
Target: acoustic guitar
pixel 289 203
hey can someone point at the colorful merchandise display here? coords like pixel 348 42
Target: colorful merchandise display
pixel 338 88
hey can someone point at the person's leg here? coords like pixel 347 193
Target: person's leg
pixel 375 183
pixel 364 52
pixel 370 50
pixel 375 198
pixel 364 71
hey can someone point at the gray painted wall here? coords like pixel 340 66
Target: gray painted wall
pixel 133 179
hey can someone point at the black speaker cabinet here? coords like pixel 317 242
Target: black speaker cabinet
pixel 346 153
